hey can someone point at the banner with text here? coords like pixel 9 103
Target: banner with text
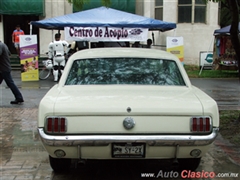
pixel 105 34
pixel 175 46
pixel 29 58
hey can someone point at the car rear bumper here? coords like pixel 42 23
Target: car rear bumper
pixel 105 140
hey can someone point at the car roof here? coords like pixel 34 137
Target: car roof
pixel 123 52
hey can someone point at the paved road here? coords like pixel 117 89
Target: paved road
pixel 225 91
pixel 23 157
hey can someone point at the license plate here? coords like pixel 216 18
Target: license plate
pixel 125 150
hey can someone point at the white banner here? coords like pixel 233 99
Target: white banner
pixel 105 34
pixel 175 46
pixel 29 57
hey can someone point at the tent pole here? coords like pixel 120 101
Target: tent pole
pixel 153 38
pixel 52 35
pixel 30 29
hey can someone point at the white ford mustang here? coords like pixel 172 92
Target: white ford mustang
pixel 126 103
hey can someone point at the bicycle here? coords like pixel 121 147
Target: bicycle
pixel 48 65
pixel 46 70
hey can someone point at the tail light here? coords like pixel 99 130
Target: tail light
pixel 201 124
pixel 56 124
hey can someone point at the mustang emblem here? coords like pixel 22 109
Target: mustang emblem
pixel 128 123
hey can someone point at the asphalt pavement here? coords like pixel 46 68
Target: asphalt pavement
pixel 225 91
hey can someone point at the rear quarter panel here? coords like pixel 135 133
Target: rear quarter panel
pixel 210 107
pixel 46 105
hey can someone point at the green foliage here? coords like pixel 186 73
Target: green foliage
pixel 193 72
pixel 106 3
pixel 78 4
pixel 206 1
pixel 226 18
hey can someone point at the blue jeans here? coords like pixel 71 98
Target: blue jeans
pixel 10 83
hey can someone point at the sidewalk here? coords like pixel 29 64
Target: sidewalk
pixel 32 91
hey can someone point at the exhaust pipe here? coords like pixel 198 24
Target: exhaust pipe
pixel 175 163
pixel 82 161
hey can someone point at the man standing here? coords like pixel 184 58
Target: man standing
pixel 149 43
pixel 5 73
pixel 15 38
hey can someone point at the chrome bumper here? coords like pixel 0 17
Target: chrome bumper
pixel 104 140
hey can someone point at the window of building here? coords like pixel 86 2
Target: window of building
pixel 159 9
pixel 191 11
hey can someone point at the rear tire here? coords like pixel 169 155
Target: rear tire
pixel 44 73
pixel 60 164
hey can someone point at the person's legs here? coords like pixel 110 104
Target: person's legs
pixel 59 63
pixel 10 83
pixel 17 48
pixel 18 53
pixel 55 71
pixel 62 65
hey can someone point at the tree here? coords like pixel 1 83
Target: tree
pixel 233 13
pixel 234 32
pixel 78 4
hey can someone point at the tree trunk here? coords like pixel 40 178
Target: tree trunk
pixel 234 31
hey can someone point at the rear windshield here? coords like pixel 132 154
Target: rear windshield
pixel 124 71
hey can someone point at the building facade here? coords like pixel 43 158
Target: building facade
pixel 195 21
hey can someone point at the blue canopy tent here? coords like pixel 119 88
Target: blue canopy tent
pixel 225 30
pixel 103 17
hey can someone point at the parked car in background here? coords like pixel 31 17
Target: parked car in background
pixel 126 103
